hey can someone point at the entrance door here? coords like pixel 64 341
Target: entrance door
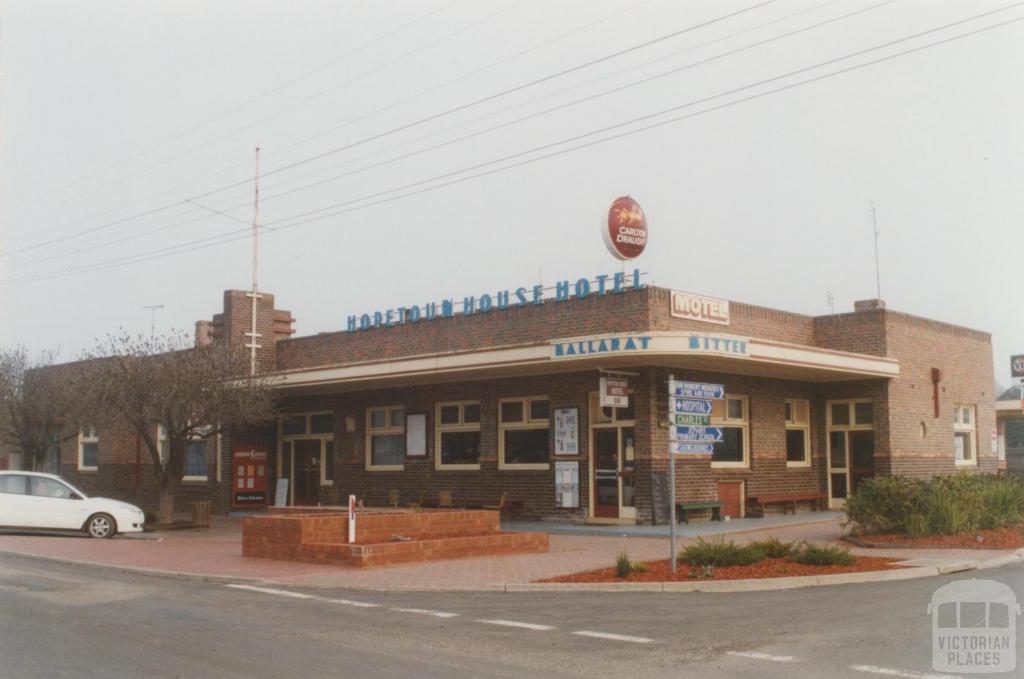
pixel 851 460
pixel 862 457
pixel 838 469
pixel 307 471
pixel 606 472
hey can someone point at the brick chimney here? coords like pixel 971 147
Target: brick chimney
pixel 869 305
pixel 204 333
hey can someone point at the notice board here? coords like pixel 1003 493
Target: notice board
pixel 567 484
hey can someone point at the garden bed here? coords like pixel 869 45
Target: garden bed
pixel 660 571
pixel 1011 537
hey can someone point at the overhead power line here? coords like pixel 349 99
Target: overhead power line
pixel 165 227
pixel 237 107
pixel 429 90
pixel 234 131
pixel 412 124
pixel 229 237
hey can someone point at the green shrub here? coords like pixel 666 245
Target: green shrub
pixel 623 566
pixel 944 505
pixel 773 548
pixel 822 555
pixel 718 552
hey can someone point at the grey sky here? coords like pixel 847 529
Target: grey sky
pixel 116 108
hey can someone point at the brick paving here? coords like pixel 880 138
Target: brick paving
pixel 218 552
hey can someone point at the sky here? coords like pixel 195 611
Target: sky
pixel 417 150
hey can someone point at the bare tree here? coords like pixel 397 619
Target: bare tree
pixel 39 405
pixel 190 392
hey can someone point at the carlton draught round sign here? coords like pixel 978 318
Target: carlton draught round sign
pixel 625 232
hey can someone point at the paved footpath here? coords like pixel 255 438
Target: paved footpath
pixel 217 552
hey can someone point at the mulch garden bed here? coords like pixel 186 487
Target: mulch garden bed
pixel 661 571
pixel 992 538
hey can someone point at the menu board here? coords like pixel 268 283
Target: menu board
pixel 567 431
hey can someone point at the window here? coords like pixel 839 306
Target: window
pixel 964 435
pixel 798 433
pixel 731 414
pixel 524 433
pixel 851 414
pixel 13 484
pixel 385 438
pixel 44 487
pixel 88 449
pixel 457 438
pixel 195 460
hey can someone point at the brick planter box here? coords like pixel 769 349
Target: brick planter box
pixel 320 535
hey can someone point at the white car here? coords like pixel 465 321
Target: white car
pixel 46 501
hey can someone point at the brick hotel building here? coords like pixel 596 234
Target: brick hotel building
pixel 498 394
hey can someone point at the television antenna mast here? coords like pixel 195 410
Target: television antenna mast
pixel 878 275
pixel 252 345
pixel 153 308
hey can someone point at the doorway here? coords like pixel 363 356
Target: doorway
pixel 307 471
pixel 613 478
pixel 851 448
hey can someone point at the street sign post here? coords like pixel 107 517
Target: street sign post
pixel 698 434
pixel 686 405
pixel 689 414
pixel 685 448
pixel 697 390
pixel 688 419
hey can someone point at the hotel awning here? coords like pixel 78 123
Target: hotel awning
pixel 677 350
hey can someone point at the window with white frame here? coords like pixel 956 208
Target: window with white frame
pixel 88 449
pixel 798 432
pixel 964 435
pixel 732 415
pixel 385 438
pixel 524 433
pixel 457 435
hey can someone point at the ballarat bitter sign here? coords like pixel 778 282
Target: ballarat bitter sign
pixel 625 233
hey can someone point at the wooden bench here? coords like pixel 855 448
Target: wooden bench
pixel 757 503
pixel 683 509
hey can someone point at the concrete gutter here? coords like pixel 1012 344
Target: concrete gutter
pixel 721 586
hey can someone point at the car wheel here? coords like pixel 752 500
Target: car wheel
pixel 101 526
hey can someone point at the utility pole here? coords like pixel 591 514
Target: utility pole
pixel 830 301
pixel 153 308
pixel 878 275
pixel 253 336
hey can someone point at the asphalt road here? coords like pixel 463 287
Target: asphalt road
pixel 75 621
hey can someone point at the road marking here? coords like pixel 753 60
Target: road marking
pixel 277 592
pixel 762 656
pixel 424 611
pixel 524 625
pixel 355 604
pixel 906 674
pixel 614 637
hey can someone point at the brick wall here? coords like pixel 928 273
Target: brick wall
pixel 922 443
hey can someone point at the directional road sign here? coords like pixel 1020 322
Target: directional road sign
pixel 688 419
pixel 692 448
pixel 686 405
pixel 698 434
pixel 696 390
